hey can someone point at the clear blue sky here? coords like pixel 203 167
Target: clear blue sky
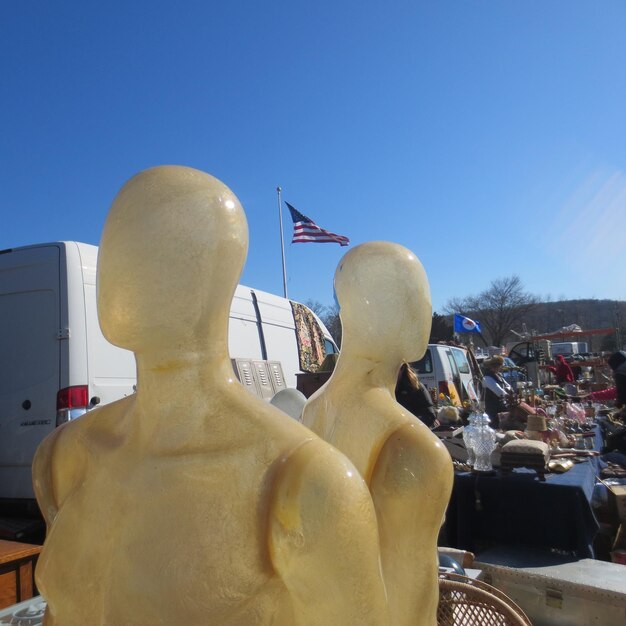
pixel 487 137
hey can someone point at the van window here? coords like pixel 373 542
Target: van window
pixel 329 347
pixel 453 366
pixel 461 361
pixel 424 365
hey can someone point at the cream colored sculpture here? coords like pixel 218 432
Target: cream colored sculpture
pixel 193 503
pixel 385 311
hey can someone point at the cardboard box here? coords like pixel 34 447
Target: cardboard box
pixel 618 495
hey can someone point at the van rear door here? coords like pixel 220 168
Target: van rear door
pixel 30 347
pixel 456 375
pixel 466 389
pixel 111 370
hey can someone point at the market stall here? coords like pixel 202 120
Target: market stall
pixel 532 482
pixel 519 508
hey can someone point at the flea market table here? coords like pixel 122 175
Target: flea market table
pixel 518 508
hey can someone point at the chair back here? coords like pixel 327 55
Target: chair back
pixel 464 601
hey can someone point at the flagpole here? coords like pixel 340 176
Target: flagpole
pixel 282 240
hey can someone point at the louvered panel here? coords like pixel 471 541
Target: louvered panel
pixel 262 374
pixel 244 370
pixel 277 376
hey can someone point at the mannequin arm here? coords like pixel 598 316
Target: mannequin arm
pixel 410 486
pixel 57 467
pixel 324 541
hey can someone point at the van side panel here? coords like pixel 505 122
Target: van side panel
pixel 243 327
pixel 111 371
pixel 279 331
pixel 262 327
pixel 30 323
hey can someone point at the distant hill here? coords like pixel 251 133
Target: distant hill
pixel 588 314
pixel 548 317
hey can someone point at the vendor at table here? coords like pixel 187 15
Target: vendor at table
pixel 617 362
pixel 562 370
pixel 496 389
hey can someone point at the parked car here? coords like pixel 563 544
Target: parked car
pixel 448 370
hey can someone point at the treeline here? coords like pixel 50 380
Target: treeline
pixel 548 317
pixel 505 308
pixel 507 312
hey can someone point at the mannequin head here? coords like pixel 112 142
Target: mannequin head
pixel 384 300
pixel 172 250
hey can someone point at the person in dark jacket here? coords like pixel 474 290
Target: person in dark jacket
pixel 496 389
pixel 414 396
pixel 617 362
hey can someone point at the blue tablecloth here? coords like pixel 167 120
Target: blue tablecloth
pixel 517 508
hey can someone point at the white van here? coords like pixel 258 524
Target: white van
pixel 448 370
pixel 264 340
pixel 569 347
pixel 55 363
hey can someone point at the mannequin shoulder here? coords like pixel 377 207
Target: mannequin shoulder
pixel 323 538
pixel 316 489
pixel 57 466
pixel 61 458
pixel 410 454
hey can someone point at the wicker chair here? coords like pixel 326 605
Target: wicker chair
pixel 467 602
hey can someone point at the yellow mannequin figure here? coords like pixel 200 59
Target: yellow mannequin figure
pixel 193 503
pixel 385 311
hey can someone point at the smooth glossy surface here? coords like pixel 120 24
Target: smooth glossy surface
pixel 193 502
pixel 290 401
pixel 384 297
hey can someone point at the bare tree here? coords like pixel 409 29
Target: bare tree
pixel 317 307
pixel 503 305
pixel 333 322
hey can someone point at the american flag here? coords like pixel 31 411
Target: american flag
pixel 305 230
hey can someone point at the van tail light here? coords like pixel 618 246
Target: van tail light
pixel 444 387
pixel 71 403
pixel 449 389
